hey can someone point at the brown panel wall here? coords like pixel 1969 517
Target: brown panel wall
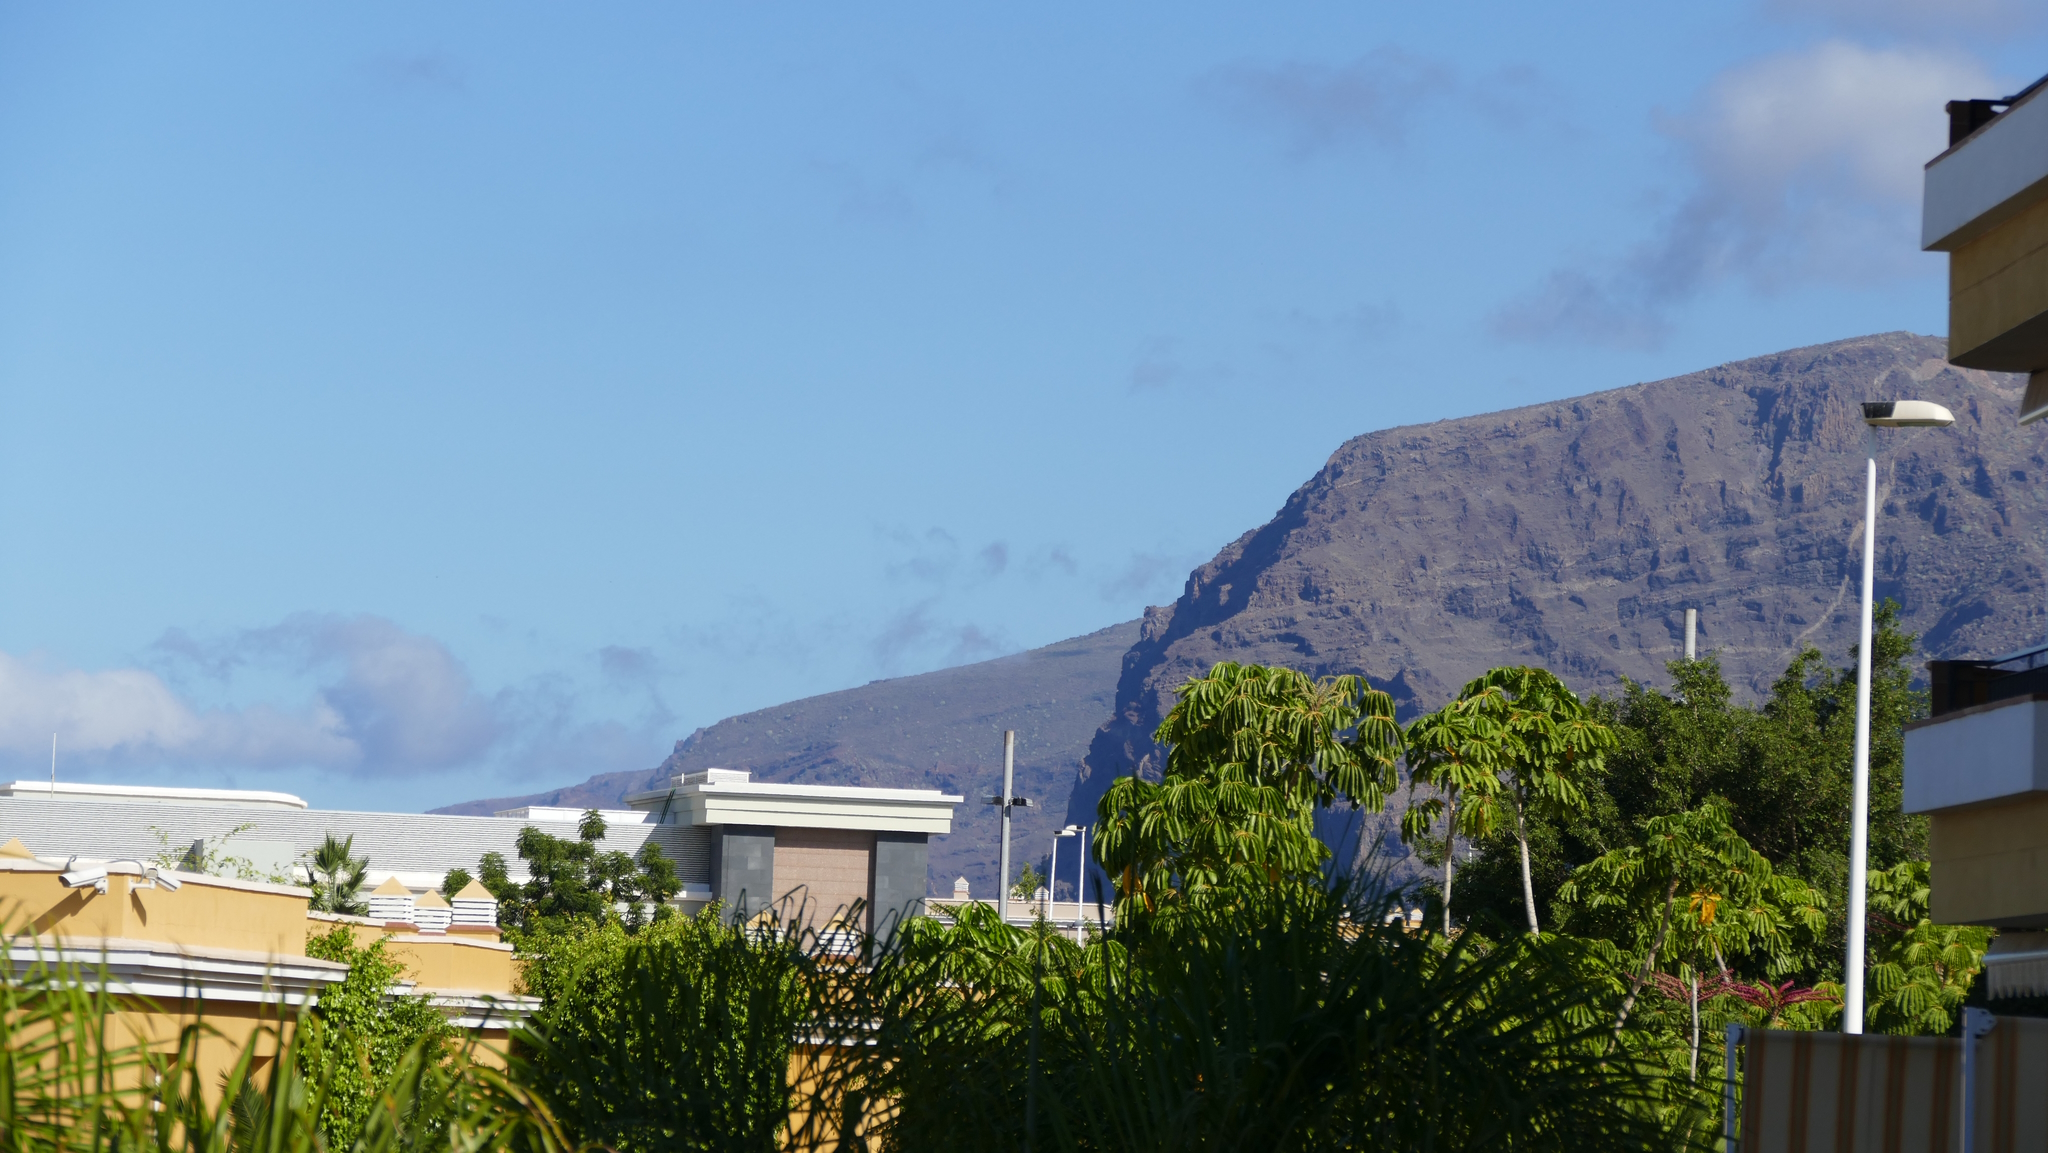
pixel 825 869
pixel 1990 864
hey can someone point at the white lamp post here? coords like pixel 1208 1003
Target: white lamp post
pixel 1080 877
pixel 1876 414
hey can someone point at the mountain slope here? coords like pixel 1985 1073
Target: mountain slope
pixel 940 730
pixel 1574 534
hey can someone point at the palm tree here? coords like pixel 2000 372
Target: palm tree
pixel 338 878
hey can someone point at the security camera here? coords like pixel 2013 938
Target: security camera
pixel 94 875
pixel 157 877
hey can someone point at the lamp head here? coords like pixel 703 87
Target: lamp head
pixel 1906 414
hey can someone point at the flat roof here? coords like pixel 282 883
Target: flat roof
pixel 149 794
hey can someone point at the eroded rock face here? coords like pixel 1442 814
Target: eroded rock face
pixel 1574 535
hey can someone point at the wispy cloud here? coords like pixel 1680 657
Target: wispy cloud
pixel 1379 99
pixel 917 632
pixel 1803 167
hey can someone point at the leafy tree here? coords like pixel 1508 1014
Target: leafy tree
pixel 1252 752
pixel 576 881
pixel 1028 882
pixel 1528 728
pixel 1919 972
pixel 1734 901
pixel 1780 769
pixel 361 1032
pixel 338 878
pixel 1460 752
pixel 456 880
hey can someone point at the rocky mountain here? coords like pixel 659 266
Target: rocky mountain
pixel 1574 535
pixel 941 730
pixel 1571 534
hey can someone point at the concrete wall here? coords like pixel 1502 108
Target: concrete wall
pixel 897 887
pixel 743 869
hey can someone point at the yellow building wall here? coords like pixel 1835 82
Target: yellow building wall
pixel 268 919
pixel 1989 866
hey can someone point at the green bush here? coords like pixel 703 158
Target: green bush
pixel 360 1033
pixel 673 1037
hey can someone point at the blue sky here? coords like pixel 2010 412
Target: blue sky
pixel 407 403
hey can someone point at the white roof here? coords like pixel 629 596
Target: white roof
pixel 732 797
pixel 149 794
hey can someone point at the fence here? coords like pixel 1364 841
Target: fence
pixel 1804 1092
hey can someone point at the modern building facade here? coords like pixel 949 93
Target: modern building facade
pixel 811 853
pixel 1978 766
pixel 1986 205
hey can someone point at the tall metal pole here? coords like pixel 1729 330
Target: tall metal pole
pixel 1859 810
pixel 1081 885
pixel 1692 632
pixel 1003 857
pixel 1052 880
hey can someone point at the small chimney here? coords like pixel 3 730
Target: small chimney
pixel 392 903
pixel 434 912
pixel 476 911
pixel 960 889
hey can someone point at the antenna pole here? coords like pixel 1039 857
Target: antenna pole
pixel 53 764
pixel 1692 632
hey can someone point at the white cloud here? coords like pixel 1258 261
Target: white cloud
pixel 129 715
pixel 1804 167
pixel 385 701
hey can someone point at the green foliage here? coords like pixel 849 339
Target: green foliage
pixel 337 878
pixel 1920 972
pixel 573 881
pixel 1288 1022
pixel 1028 882
pixel 677 1037
pixel 1253 751
pixel 361 1032
pixel 1516 744
pixel 1780 769
pixel 456 880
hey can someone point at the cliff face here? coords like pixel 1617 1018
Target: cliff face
pixel 1574 535
pixel 941 730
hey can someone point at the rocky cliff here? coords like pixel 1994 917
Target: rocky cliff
pixel 1575 534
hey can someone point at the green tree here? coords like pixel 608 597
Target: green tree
pixel 1919 972
pixel 1459 752
pixel 1028 882
pixel 455 880
pixel 575 880
pixel 337 878
pixel 1734 902
pixel 1551 750
pixel 1252 752
pixel 1780 768
pixel 361 1032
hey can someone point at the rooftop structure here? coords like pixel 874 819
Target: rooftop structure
pixel 814 849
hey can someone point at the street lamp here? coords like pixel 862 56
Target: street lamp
pixel 1876 414
pixel 1053 881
